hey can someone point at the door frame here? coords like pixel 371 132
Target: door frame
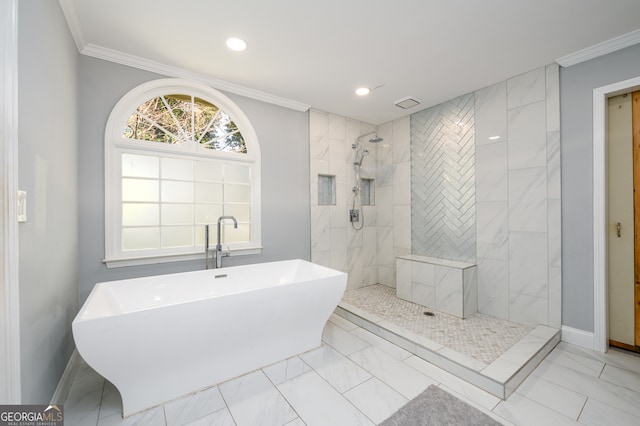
pixel 10 373
pixel 600 314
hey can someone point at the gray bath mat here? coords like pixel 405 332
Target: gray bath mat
pixel 437 407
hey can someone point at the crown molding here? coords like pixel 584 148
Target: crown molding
pixel 73 21
pixel 88 49
pixel 171 71
pixel 600 49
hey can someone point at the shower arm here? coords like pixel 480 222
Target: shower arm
pixel 367 134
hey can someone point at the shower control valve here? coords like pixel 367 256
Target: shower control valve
pixel 354 215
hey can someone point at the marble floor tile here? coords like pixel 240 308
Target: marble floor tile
pixel 621 377
pixel 154 416
pixel 376 400
pixel 585 384
pixel 218 418
pixel 394 334
pixel 252 399
pixel 285 370
pixel 382 344
pixel 462 359
pixel 596 413
pixel 621 359
pixel 111 403
pixel 406 380
pixel 326 387
pixel 318 403
pixel 454 383
pixel 525 412
pixel 528 346
pixel 552 395
pixel 193 407
pixel 580 363
pixel 615 357
pixel 343 341
pixel 474 404
pixel 82 405
pixel 342 322
pixel 544 332
pixel 501 370
pixel 338 370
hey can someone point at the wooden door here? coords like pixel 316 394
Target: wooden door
pixel 635 108
pixel 620 238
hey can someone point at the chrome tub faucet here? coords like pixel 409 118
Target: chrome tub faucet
pixel 218 253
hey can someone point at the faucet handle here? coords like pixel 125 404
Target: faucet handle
pixel 227 252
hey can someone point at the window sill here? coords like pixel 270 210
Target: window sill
pixel 151 260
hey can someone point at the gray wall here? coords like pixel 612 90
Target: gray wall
pixel 576 97
pixel 284 142
pixel 48 172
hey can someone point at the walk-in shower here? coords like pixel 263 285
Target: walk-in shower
pixel 357 215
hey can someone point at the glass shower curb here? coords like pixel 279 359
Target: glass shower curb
pixel 499 378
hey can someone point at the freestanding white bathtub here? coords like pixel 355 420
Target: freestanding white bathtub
pixel 162 337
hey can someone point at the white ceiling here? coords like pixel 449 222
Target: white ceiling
pixel 315 53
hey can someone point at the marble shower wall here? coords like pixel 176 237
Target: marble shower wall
pixel 517 139
pixel 394 203
pixel 517 198
pixel 334 243
pixel 367 255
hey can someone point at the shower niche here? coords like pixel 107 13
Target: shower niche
pixel 326 190
pixel 367 192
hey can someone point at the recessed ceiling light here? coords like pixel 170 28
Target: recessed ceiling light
pixel 493 138
pixel 237 44
pixel 361 91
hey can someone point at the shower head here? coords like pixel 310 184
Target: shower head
pixel 374 139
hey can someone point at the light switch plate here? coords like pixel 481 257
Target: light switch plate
pixel 22 206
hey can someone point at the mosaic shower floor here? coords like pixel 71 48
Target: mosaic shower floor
pixel 480 336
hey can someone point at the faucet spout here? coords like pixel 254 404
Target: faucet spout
pixel 219 252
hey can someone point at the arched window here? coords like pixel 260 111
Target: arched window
pixel 178 155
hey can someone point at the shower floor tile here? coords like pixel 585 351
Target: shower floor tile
pixel 481 337
pixel 492 354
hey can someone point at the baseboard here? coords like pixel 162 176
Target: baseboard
pixel 574 336
pixel 64 385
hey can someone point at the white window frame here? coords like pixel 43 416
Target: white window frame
pixel 116 145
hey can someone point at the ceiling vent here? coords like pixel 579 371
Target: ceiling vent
pixel 407 103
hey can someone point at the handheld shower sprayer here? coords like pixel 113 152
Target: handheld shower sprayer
pixel 363 153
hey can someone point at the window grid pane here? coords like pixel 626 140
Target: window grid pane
pixel 185 195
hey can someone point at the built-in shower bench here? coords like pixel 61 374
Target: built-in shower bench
pixel 444 285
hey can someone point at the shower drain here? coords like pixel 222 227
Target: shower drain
pixel 429 314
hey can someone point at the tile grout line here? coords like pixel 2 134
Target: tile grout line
pixel 342 393
pixel 226 404
pixel 582 409
pixel 281 394
pixel 104 385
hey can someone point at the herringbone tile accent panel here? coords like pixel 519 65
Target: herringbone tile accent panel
pixel 443 181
